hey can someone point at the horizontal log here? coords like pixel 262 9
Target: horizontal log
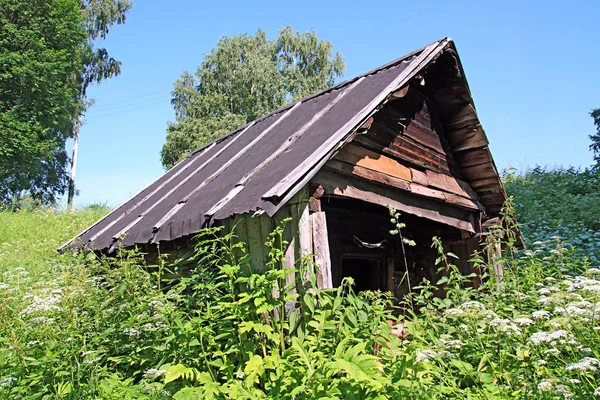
pixel 469 158
pixel 450 184
pixel 362 157
pixel 390 181
pixel 467 138
pixel 478 172
pixel 478 184
pixel 342 186
pixel 419 177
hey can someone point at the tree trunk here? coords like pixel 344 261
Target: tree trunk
pixel 71 194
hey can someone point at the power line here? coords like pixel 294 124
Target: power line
pixel 134 99
pixel 125 110
pixel 133 103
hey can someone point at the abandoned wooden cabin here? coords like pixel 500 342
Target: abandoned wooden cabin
pixel 405 135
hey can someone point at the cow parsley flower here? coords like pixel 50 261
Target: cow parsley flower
pixel 542 314
pixel 429 355
pixel 545 386
pixel 524 321
pixel 583 365
pixel 505 325
pixel 546 337
pixel 6 382
pixel 154 373
pixel 132 332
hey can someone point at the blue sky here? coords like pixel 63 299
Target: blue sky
pixel 532 67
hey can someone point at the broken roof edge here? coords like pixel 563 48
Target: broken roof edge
pixel 278 195
pixel 337 86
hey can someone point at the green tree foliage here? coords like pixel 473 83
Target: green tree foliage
pixel 40 59
pixel 595 138
pixel 98 16
pixel 47 61
pixel 243 78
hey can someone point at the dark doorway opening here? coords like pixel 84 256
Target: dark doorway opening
pixel 367 272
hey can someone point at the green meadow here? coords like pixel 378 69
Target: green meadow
pixel 76 326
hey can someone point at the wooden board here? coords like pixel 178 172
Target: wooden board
pixel 339 185
pixel 365 173
pixel 412 187
pixel 362 157
pixel 321 249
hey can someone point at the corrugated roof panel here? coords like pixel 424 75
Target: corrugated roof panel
pixel 250 159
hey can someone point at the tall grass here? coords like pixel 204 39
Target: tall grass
pixel 78 327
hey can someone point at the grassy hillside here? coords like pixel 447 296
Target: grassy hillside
pixel 78 327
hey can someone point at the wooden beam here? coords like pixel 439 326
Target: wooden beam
pixel 342 186
pixel 349 169
pixel 362 157
pixel 391 286
pixel 321 250
pixel 384 179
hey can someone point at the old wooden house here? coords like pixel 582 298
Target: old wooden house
pixel 405 135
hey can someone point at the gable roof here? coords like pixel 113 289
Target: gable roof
pixel 263 164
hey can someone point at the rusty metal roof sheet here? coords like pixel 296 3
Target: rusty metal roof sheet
pixel 257 167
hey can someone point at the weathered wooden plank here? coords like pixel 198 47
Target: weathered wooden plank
pixel 362 157
pixel 471 137
pixel 447 183
pixel 255 243
pixel 391 286
pixel 470 158
pixel 339 185
pixel 419 177
pixel 321 249
pixel 401 147
pixel 415 188
pixel 349 169
pixel 496 199
pixel 482 183
pixel 479 172
pixel 462 202
pixel 425 191
pixel 289 258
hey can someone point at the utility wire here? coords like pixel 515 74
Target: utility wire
pixel 130 104
pixel 125 110
pixel 134 99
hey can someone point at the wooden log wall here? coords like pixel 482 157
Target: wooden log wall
pixel 305 233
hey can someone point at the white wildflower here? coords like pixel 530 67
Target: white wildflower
pixel 541 362
pixel 542 314
pixel 562 390
pixel 593 271
pixel 3 286
pixel 42 305
pixel 552 351
pixel 505 325
pixel 452 344
pixel 597 391
pixel 547 337
pixel 545 386
pixel 92 361
pixel 132 332
pixel 6 382
pixel 524 321
pixel 147 327
pixel 585 364
pixel 33 343
pixel 87 353
pixel 544 291
pixel 574 381
pixel 429 355
pixel 154 373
